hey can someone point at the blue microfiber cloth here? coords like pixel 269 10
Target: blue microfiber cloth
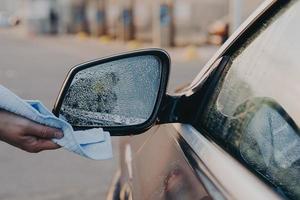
pixel 93 143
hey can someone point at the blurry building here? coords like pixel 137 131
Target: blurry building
pixel 112 16
pixel 87 16
pixel 180 22
pixel 97 17
pixel 11 6
pixel 192 18
pixel 143 19
pixel 240 10
pixel 11 12
pixel 64 10
pixel 42 16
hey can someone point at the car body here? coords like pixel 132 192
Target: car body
pixel 233 133
pixel 204 155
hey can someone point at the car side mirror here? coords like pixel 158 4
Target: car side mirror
pixel 121 94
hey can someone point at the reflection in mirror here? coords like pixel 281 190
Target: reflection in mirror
pixel 116 93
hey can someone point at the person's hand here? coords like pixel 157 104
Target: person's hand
pixel 26 134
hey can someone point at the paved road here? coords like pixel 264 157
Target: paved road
pixel 34 68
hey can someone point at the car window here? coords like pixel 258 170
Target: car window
pixel 255 107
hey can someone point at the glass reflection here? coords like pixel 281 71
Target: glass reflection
pixel 121 92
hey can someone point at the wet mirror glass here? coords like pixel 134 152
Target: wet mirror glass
pixel 116 93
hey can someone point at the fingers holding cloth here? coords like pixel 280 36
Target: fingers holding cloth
pixel 26 134
pixel 34 125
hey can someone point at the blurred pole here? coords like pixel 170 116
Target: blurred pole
pixel 96 17
pixel 126 30
pixel 65 16
pixel 112 17
pixel 54 18
pixel 79 16
pixel 102 17
pixel 236 14
pixel 163 27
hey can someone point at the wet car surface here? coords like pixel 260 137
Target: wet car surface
pixel 233 132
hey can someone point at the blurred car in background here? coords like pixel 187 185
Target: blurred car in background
pixel 233 133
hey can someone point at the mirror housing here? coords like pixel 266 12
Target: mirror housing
pixel 100 75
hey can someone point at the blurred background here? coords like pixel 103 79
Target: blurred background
pixel 40 40
pixel 161 22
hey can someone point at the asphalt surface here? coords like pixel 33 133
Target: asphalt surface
pixel 34 68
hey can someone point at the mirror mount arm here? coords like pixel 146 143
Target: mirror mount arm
pixel 171 110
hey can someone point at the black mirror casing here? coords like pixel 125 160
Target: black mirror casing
pixel 165 62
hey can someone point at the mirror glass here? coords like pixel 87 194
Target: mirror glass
pixel 116 93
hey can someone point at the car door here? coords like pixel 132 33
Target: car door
pixel 242 138
pixel 159 169
pixel 252 110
